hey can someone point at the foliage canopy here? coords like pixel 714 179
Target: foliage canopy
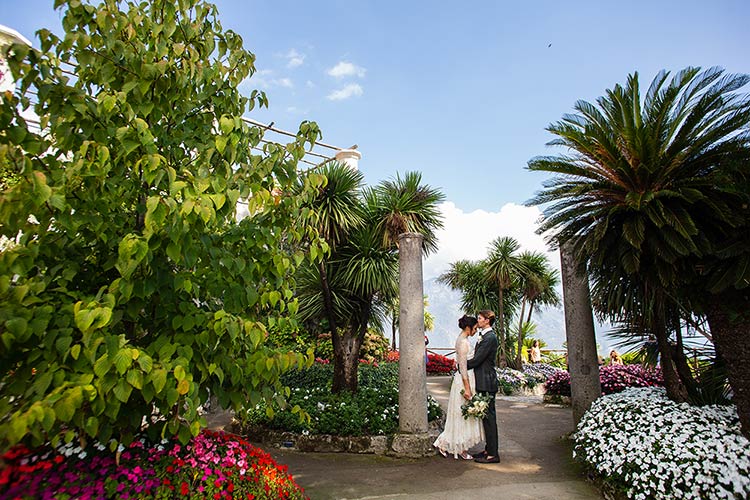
pixel 132 290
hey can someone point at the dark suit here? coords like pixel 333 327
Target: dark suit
pixel 483 364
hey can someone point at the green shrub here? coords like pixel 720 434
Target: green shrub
pixel 372 410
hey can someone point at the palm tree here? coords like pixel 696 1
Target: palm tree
pixel 337 213
pixel 470 279
pixel 547 295
pixel 650 196
pixel 533 278
pixel 356 283
pixel 405 205
pixel 502 266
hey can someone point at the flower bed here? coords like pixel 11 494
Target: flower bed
pixel 540 372
pixel 212 465
pixel 647 446
pixel 613 379
pixel 512 381
pixel 436 363
pixel 373 410
pixel 439 365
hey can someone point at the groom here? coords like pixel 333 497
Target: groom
pixel 483 364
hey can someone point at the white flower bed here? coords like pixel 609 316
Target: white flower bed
pixel 658 449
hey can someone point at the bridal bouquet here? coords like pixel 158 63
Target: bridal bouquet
pixel 477 406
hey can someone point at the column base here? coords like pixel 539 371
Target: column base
pixel 412 445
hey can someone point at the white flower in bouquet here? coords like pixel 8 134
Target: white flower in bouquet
pixel 476 407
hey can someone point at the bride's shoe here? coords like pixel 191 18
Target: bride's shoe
pixel 466 455
pixel 442 452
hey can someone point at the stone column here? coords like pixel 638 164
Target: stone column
pixel 583 362
pixel 349 157
pixel 412 439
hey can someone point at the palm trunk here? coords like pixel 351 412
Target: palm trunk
pixel 585 386
pixel 502 355
pixel 531 310
pixel 346 358
pixel 519 359
pixel 728 316
pixel 675 388
pixel 681 363
pixel 327 300
pixel 345 364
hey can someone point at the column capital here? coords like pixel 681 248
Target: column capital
pixel 349 157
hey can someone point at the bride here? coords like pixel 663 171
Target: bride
pixel 460 434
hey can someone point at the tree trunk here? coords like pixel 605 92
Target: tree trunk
pixel 676 390
pixel 531 310
pixel 502 355
pixel 346 363
pixel 519 352
pixel 583 361
pixel 728 316
pixel 327 300
pixel 681 363
pixel 343 379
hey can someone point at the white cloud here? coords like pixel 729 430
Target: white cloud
pixel 468 235
pixel 344 69
pixel 284 82
pixel 350 90
pixel 264 79
pixel 259 79
pixel 310 84
pixel 294 110
pixel 294 59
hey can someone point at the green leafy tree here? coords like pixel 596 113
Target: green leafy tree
pixel 653 196
pixel 354 284
pixel 133 291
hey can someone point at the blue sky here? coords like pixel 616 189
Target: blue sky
pixel 460 92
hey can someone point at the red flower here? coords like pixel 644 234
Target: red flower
pixel 184 488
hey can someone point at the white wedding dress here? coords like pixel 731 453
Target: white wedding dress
pixel 460 434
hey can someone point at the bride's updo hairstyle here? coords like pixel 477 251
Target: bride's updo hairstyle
pixel 467 321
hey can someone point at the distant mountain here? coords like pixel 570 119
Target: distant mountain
pixel 445 306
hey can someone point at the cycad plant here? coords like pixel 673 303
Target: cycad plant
pixel 652 194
